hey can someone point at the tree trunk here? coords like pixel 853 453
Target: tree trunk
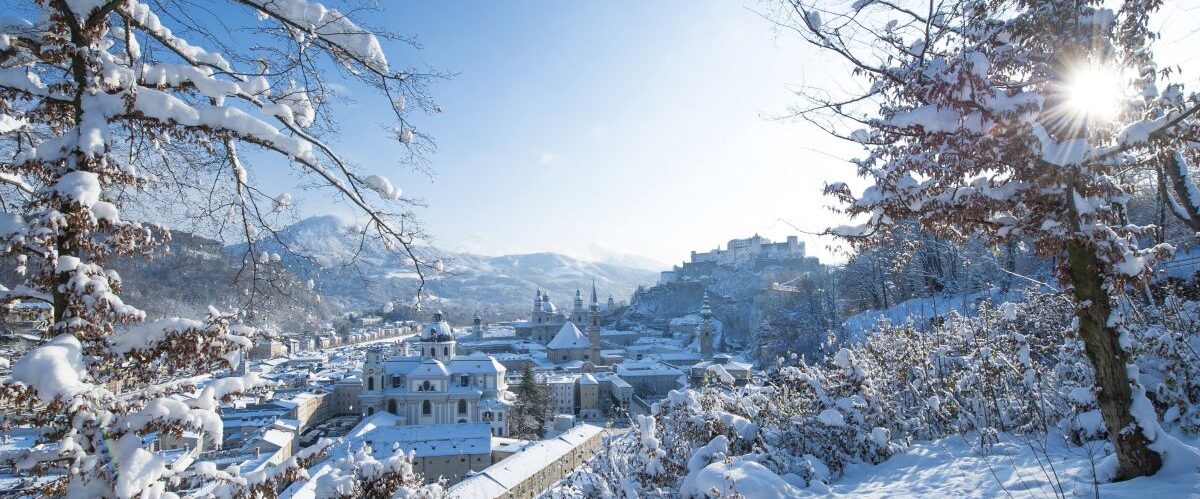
pixel 1134 457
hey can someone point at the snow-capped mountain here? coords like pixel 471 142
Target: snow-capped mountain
pixel 353 273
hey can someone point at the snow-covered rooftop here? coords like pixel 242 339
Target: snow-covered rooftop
pixel 430 367
pixel 381 432
pixel 568 337
pixel 499 478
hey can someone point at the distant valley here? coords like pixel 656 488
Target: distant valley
pixel 349 277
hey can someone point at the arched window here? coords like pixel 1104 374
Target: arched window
pixel 462 406
pixel 371 383
pixel 426 408
pixel 392 406
pixel 370 411
pixel 446 351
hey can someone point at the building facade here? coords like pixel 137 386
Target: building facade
pixel 436 386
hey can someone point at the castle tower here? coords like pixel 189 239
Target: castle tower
pixel 477 328
pixel 577 310
pixel 612 305
pixel 593 326
pixel 705 331
pixel 437 339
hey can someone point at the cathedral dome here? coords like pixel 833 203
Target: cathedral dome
pixel 438 330
pixel 547 306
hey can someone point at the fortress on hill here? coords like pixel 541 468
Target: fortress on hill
pixel 754 252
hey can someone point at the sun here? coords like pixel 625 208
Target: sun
pixel 1093 92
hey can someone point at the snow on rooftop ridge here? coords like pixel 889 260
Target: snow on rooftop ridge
pixel 569 337
pixel 430 367
pixel 513 470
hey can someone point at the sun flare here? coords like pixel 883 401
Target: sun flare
pixel 1093 92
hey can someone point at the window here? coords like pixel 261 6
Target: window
pixel 426 408
pixel 445 350
pixel 462 406
pixel 370 411
pixel 392 406
pixel 464 380
pixel 499 416
pixel 371 383
pixel 395 381
pixel 426 386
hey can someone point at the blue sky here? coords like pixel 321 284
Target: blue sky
pixel 636 127
pixel 591 127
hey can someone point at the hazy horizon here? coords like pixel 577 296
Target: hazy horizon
pixel 591 130
pixel 595 131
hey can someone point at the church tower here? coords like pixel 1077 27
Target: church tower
pixel 593 326
pixel 705 331
pixel 437 339
pixel 577 309
pixel 536 316
pixel 477 327
pixel 372 380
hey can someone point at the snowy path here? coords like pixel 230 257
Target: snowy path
pixel 950 468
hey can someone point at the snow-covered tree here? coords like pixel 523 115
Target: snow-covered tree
pixel 106 105
pixel 360 474
pixel 1015 121
pixel 532 411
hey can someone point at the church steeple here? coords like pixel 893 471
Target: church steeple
pixel 577 309
pixel 705 331
pixel 477 327
pixel 593 327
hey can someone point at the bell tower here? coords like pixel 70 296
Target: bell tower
pixel 705 331
pixel 593 326
pixel 577 309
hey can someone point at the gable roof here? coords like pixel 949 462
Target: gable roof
pixel 569 337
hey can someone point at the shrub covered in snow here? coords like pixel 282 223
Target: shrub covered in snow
pixel 1013 368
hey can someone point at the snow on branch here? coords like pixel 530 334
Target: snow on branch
pixel 312 19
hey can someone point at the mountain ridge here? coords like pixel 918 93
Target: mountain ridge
pixel 356 274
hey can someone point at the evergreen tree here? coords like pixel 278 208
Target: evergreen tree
pixel 531 413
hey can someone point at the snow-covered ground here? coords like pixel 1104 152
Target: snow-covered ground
pixel 920 309
pixel 953 467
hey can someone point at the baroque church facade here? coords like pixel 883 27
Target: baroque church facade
pixel 561 333
pixel 436 386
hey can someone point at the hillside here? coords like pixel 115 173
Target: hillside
pixel 196 272
pixel 351 274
